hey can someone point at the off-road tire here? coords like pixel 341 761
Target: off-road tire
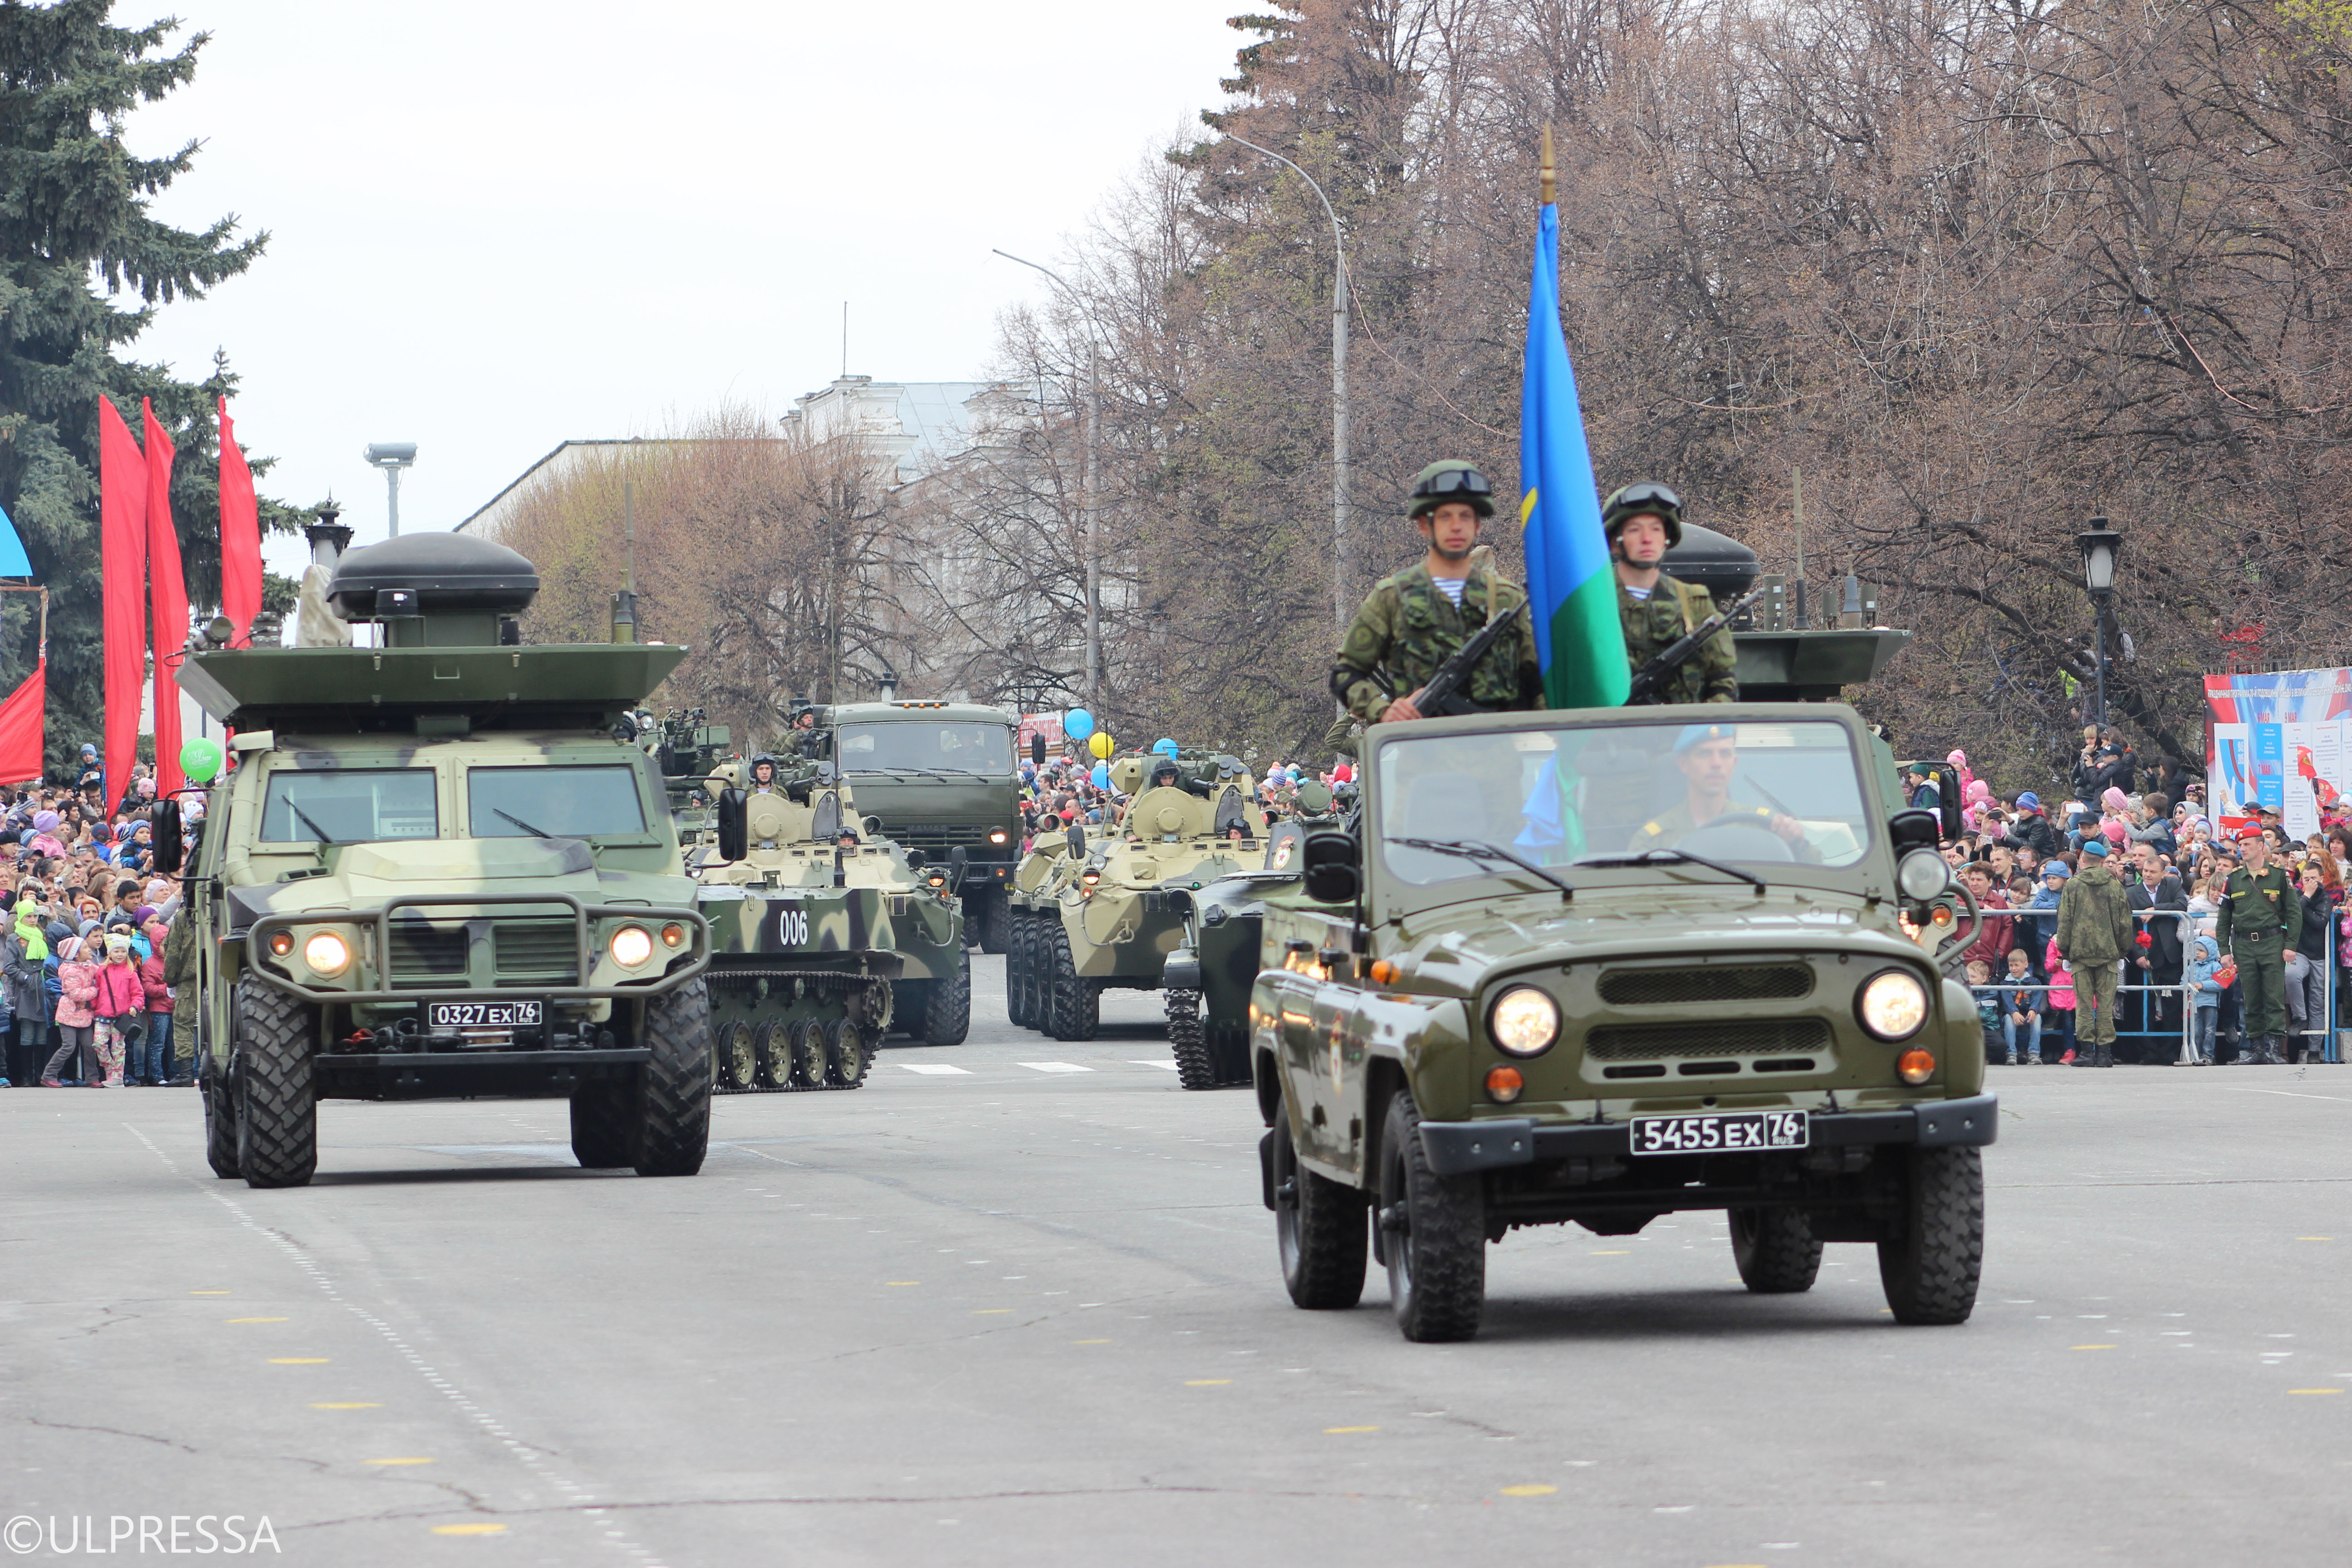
pixel 1037 997
pixel 1012 970
pixel 603 1118
pixel 996 922
pixel 1437 1260
pixel 1930 1270
pixel 845 1058
pixel 947 1010
pixel 220 1124
pixel 277 1106
pixel 1042 993
pixel 805 1043
pixel 1078 1001
pixel 1775 1250
pixel 1318 1230
pixel 1229 1055
pixel 1188 1041
pixel 673 1086
pixel 739 1056
pixel 909 1004
pixel 775 1067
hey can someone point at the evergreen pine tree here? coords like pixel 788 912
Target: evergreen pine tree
pixel 83 267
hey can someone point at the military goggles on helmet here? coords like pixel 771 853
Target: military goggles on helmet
pixel 1456 481
pixel 1647 498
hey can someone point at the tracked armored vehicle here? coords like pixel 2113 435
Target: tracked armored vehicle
pixel 440 868
pixel 825 938
pixel 1108 914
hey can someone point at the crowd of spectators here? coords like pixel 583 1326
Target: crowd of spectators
pixel 83 1001
pixel 2017 854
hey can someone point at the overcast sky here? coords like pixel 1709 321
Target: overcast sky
pixel 498 225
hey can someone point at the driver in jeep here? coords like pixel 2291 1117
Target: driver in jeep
pixel 1708 758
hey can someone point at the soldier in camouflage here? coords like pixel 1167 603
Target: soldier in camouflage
pixel 1643 522
pixel 1413 620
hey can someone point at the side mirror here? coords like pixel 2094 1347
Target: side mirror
pixel 1331 874
pixel 164 818
pixel 1913 830
pixel 1036 751
pixel 917 859
pixel 958 859
pixel 1078 840
pixel 734 825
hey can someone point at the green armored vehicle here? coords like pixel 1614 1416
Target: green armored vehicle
pixel 441 868
pixel 1606 965
pixel 825 937
pixel 1109 914
pixel 1207 979
pixel 939 776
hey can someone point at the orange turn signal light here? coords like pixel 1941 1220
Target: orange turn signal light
pixel 1385 974
pixel 673 934
pixel 281 942
pixel 1916 1066
pixel 1505 1083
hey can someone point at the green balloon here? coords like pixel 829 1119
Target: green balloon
pixel 200 759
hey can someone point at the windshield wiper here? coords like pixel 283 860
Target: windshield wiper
pixel 1669 857
pixel 1480 851
pixel 324 836
pixel 518 822
pixel 892 773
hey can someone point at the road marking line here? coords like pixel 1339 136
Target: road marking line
pixel 902 1282
pixel 398 1461
pixel 1054 1067
pixel 936 1070
pixel 1206 1381
pixel 1090 1342
pixel 1137 1061
pixel 298 1361
pixel 256 1320
pixel 2315 1391
pixel 990 1312
pixel 1337 1431
pixel 1534 1490
pixel 1618 1252
pixel 2090 1347
pixel 345 1405
pixel 2315 1238
pixel 469 1529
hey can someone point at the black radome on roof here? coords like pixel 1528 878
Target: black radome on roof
pixel 447 572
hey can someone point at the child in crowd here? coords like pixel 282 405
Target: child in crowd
pixel 119 1007
pixel 76 980
pixel 2062 999
pixel 1988 997
pixel 2021 1011
pixel 159 1006
pixel 2199 978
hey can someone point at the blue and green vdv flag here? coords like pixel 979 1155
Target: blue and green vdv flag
pixel 1572 589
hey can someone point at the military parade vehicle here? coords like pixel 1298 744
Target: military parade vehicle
pixel 440 867
pixel 1604 966
pixel 1207 980
pixel 938 776
pixel 825 937
pixel 1108 913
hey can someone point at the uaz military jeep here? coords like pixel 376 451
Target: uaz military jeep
pixel 440 868
pixel 1604 966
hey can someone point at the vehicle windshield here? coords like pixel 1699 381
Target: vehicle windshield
pixel 349 806
pixel 597 802
pixel 912 747
pixel 1738 794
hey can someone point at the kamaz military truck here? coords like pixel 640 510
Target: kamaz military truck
pixel 939 776
pixel 1600 966
pixel 825 937
pixel 441 868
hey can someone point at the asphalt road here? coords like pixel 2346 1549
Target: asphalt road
pixel 1028 1313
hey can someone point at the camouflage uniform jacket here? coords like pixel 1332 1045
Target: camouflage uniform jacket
pixel 1407 627
pixel 1655 623
pixel 2094 917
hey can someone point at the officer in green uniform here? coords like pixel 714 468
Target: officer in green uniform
pixel 1643 522
pixel 1709 756
pixel 2260 908
pixel 1413 620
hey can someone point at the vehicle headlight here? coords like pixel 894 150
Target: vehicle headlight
pixel 632 946
pixel 327 954
pixel 1524 1021
pixel 997 837
pixel 1892 1004
pixel 1921 875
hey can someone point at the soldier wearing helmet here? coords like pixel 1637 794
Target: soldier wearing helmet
pixel 1413 620
pixel 1643 522
pixel 764 775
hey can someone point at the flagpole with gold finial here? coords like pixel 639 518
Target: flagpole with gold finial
pixel 1547 179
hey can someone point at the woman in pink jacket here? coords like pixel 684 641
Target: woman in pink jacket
pixel 77 989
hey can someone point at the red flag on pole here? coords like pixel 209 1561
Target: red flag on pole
pixel 240 538
pixel 20 727
pixel 123 573
pixel 167 598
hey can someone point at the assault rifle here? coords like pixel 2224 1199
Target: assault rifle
pixel 1652 677
pixel 1442 696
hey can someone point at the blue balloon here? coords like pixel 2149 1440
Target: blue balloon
pixel 1102 775
pixel 1164 746
pixel 1079 724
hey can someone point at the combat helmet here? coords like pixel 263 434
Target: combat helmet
pixel 1642 496
pixel 1451 479
pixel 776 769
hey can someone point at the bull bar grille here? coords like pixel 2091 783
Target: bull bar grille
pixel 1722 983
pixel 1742 1038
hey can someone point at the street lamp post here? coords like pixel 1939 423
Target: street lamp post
pixel 2100 544
pixel 1091 504
pixel 1340 609
pixel 392 456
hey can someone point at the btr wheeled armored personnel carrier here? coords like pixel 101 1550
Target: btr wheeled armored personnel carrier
pixel 1109 913
pixel 825 937
pixel 440 867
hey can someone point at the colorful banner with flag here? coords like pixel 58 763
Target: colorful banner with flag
pixel 123 578
pixel 167 591
pixel 240 537
pixel 21 728
pixel 1571 587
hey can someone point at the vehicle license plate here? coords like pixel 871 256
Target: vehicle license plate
pixel 485 1015
pixel 1721 1132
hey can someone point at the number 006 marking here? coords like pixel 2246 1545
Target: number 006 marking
pixel 792 927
